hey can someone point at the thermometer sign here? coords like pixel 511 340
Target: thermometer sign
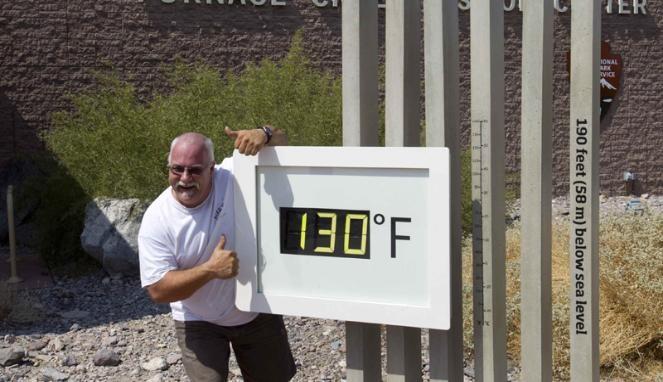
pixel 346 233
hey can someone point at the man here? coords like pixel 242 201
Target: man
pixel 186 259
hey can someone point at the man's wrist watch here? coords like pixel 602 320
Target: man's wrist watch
pixel 268 133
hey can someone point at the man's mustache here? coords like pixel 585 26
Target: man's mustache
pixel 187 185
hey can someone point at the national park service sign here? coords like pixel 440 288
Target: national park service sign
pixel 611 75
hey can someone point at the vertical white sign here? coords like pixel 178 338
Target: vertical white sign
pixel 584 183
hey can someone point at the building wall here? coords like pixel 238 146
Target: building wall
pixel 50 48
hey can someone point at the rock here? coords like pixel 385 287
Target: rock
pixel 11 356
pixel 235 371
pixel 10 338
pixel 51 374
pixel 74 327
pixel 173 358
pixel 42 357
pixel 108 341
pixel 106 357
pixel 67 360
pixel 156 378
pixel 111 233
pixel 154 364
pixel 469 371
pixel 336 345
pixel 57 345
pixel 38 344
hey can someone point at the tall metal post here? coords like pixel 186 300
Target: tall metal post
pixel 402 118
pixel 360 126
pixel 584 182
pixel 359 29
pixel 441 83
pixel 487 109
pixel 402 67
pixel 536 184
pixel 363 352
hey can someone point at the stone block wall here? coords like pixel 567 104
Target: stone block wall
pixel 50 48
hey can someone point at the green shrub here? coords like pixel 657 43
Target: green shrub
pixel 112 144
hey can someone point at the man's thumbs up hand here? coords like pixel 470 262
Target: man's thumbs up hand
pixel 223 263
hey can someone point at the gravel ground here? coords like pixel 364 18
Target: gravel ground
pixel 70 330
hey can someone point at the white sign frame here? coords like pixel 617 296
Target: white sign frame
pixel 435 314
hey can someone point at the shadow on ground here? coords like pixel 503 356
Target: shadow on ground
pixel 62 285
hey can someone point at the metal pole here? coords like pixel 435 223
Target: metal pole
pixel 402 67
pixel 442 83
pixel 487 109
pixel 536 184
pixel 403 354
pixel 402 118
pixel 359 29
pixel 13 278
pixel 360 126
pixel 584 182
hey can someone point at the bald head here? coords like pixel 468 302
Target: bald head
pixel 192 140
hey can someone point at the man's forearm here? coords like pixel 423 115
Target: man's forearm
pixel 178 285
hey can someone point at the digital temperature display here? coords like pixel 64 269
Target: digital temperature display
pixel 325 232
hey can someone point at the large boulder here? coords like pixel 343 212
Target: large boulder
pixel 111 233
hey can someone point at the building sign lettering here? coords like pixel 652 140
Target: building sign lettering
pixel 621 7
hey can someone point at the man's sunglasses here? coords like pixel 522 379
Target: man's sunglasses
pixel 193 170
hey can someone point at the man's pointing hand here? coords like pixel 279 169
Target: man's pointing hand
pixel 248 142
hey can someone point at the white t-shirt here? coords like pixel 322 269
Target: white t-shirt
pixel 175 237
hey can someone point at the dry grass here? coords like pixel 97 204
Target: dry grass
pixel 631 297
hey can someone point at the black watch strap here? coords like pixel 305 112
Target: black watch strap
pixel 268 132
